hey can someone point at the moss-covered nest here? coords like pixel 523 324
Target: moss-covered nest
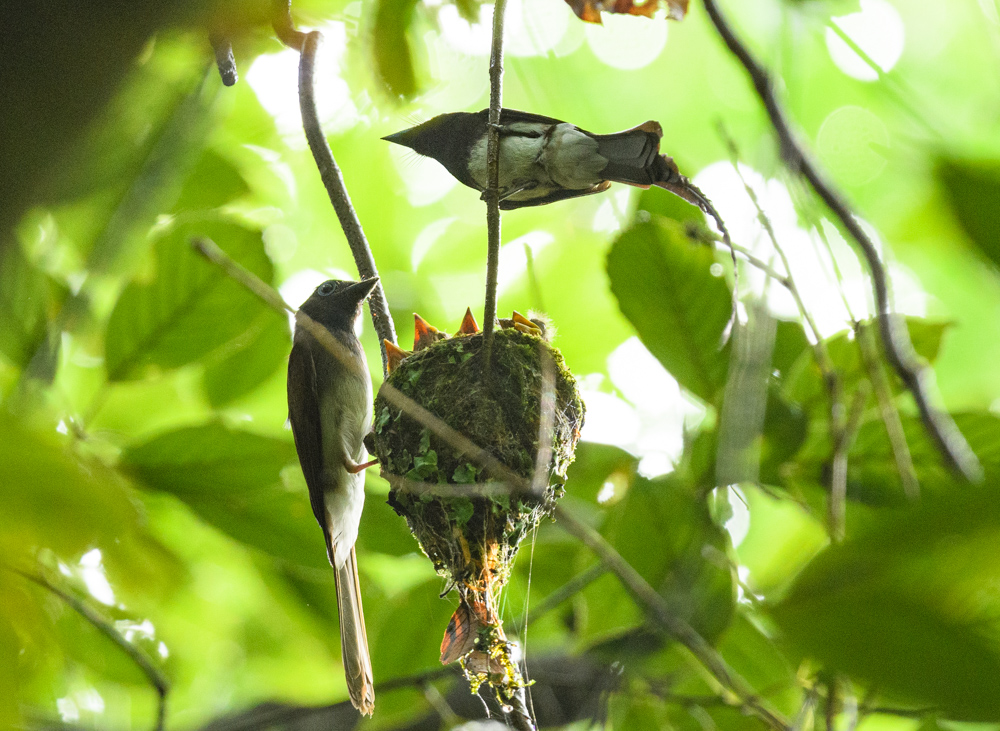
pixel 471 534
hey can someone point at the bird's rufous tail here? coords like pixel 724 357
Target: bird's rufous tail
pixel 353 637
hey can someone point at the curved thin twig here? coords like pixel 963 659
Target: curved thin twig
pixel 895 338
pixel 329 171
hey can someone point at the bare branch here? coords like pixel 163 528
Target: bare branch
pixel 106 628
pixel 492 193
pixel 211 251
pixel 335 188
pixel 895 338
pixel 223 49
pixel 284 27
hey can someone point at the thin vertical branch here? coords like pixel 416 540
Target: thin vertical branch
pixel 160 684
pixel 333 180
pixel 837 507
pixel 895 338
pixel 492 193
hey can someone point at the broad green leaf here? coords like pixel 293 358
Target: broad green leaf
pixel 190 307
pixel 658 202
pixel 25 294
pixel 249 359
pixel 790 343
pixel 804 382
pixel 872 475
pixel 50 498
pixel 393 54
pixel 415 620
pixel 664 286
pixel 600 472
pixel 233 480
pixel 903 605
pixel 213 182
pixel 663 528
pixel 973 189
pixel 755 655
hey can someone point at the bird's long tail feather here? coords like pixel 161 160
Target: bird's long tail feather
pixel 353 637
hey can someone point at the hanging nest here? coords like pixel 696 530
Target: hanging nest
pixel 467 521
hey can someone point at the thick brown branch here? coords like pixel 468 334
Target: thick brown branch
pixel 895 338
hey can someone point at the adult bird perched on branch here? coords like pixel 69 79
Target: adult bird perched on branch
pixel 543 160
pixel 330 407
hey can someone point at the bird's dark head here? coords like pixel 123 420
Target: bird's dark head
pixel 337 304
pixel 448 138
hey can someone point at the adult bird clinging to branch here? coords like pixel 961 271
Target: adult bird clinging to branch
pixel 544 160
pixel 330 407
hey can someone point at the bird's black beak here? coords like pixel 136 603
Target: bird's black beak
pixel 359 291
pixel 404 138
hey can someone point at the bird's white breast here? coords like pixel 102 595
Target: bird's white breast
pixel 346 415
pixel 564 158
pixel 518 161
pixel 571 158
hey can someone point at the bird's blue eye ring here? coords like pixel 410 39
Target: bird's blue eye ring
pixel 326 289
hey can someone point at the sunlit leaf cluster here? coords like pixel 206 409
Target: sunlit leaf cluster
pixel 146 471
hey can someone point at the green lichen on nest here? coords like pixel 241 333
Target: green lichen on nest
pixel 465 534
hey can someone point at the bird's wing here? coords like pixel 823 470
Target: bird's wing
pixel 307 428
pixel 558 194
pixel 514 116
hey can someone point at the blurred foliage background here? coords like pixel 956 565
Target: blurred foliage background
pixel 149 488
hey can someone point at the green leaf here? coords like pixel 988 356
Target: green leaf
pixel 233 480
pixel 597 464
pixel 190 307
pixel 213 182
pixel 973 189
pixel 904 607
pixel 393 54
pixel 51 498
pixel 872 476
pixel 665 288
pixel 25 294
pixel 659 202
pixel 250 359
pixel 804 383
pixel 663 528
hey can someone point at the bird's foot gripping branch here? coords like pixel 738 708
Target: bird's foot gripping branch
pixel 470 511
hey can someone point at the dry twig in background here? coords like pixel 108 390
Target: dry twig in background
pixel 895 338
